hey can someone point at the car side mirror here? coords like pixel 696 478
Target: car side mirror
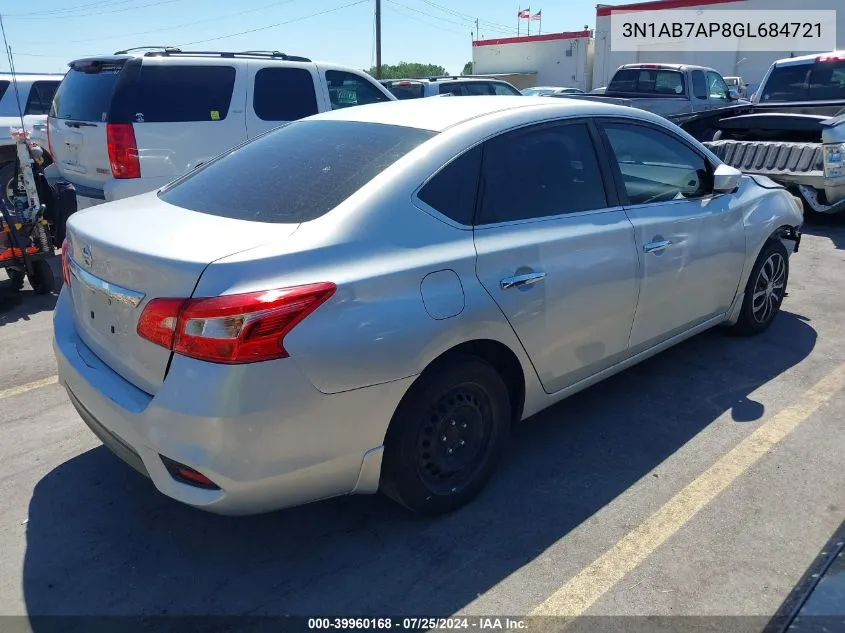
pixel 733 94
pixel 726 179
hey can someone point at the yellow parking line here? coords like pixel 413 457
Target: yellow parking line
pixel 14 391
pixel 592 582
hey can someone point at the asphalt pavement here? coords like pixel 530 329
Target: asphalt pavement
pixel 703 482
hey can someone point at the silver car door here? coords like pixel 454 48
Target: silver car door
pixel 691 243
pixel 554 252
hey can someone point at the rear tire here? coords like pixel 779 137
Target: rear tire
pixel 17 278
pixel 765 289
pixel 41 279
pixel 8 175
pixel 446 437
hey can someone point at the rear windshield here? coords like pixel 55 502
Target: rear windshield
pixel 648 81
pixel 148 93
pixel 86 91
pixel 820 81
pixel 407 90
pixel 295 173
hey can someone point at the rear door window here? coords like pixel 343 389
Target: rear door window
pixel 85 93
pixel 41 97
pixel 295 173
pixel 170 93
pixel 348 89
pixel 284 94
pixel 504 89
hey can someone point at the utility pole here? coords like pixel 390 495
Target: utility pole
pixel 378 39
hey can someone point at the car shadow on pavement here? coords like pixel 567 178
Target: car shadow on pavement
pixel 19 305
pixel 829 226
pixel 102 541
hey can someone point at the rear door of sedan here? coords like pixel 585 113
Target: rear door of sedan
pixel 555 250
pixel 690 240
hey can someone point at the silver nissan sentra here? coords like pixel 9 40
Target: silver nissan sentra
pixel 370 299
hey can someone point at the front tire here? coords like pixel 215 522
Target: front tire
pixel 765 289
pixel 446 437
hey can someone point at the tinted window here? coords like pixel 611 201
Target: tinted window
pixel 504 89
pixel 3 86
pixel 648 81
pixel 699 85
pixel 716 86
pixel 295 173
pixel 786 83
pixel 284 94
pixel 407 90
pixel 540 172
pixel 348 89
pixel 41 97
pixel 453 189
pixel 86 91
pixel 454 88
pixel 656 167
pixel 171 94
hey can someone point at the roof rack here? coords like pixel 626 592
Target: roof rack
pixel 167 51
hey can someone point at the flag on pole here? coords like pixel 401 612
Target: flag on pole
pixel 537 16
pixel 524 14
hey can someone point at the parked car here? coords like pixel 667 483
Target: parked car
pixel 738 85
pixel 694 97
pixel 372 298
pixel 460 86
pixel 598 91
pixel 796 133
pixel 129 123
pixel 544 91
pixel 28 95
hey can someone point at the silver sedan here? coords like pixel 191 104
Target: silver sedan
pixel 370 299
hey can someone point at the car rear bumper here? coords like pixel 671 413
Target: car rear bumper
pixel 260 432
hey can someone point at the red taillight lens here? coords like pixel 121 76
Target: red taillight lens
pixel 123 150
pixel 233 329
pixel 66 262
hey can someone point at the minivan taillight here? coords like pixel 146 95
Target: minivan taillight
pixel 233 329
pixel 123 150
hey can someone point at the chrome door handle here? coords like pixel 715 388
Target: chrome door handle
pixel 656 247
pixel 522 280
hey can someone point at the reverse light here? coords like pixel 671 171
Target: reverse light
pixel 232 329
pixel 123 150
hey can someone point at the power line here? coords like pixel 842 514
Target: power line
pixel 272 26
pixel 99 3
pixel 471 19
pixel 66 16
pixel 178 26
pixel 436 17
pixel 411 16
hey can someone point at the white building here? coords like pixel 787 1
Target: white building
pixel 553 59
pixel 750 65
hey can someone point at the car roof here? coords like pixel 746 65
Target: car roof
pixel 439 114
pixel 803 59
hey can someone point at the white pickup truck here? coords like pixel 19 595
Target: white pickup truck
pixel 28 96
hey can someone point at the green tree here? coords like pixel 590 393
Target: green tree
pixel 467 69
pixel 408 70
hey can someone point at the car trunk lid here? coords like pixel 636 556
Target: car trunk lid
pixel 122 255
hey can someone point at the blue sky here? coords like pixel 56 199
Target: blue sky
pixel 46 35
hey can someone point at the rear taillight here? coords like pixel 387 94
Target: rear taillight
pixel 66 262
pixel 233 329
pixel 123 150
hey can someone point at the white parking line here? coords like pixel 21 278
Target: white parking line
pixel 592 582
pixel 14 391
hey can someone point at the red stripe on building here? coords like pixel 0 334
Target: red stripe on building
pixel 535 38
pixel 658 5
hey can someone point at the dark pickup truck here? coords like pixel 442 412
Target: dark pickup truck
pixel 796 132
pixel 693 97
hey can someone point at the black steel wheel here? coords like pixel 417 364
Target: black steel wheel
pixel 41 279
pixel 446 437
pixel 765 290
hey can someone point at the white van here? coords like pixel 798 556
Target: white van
pixel 129 123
